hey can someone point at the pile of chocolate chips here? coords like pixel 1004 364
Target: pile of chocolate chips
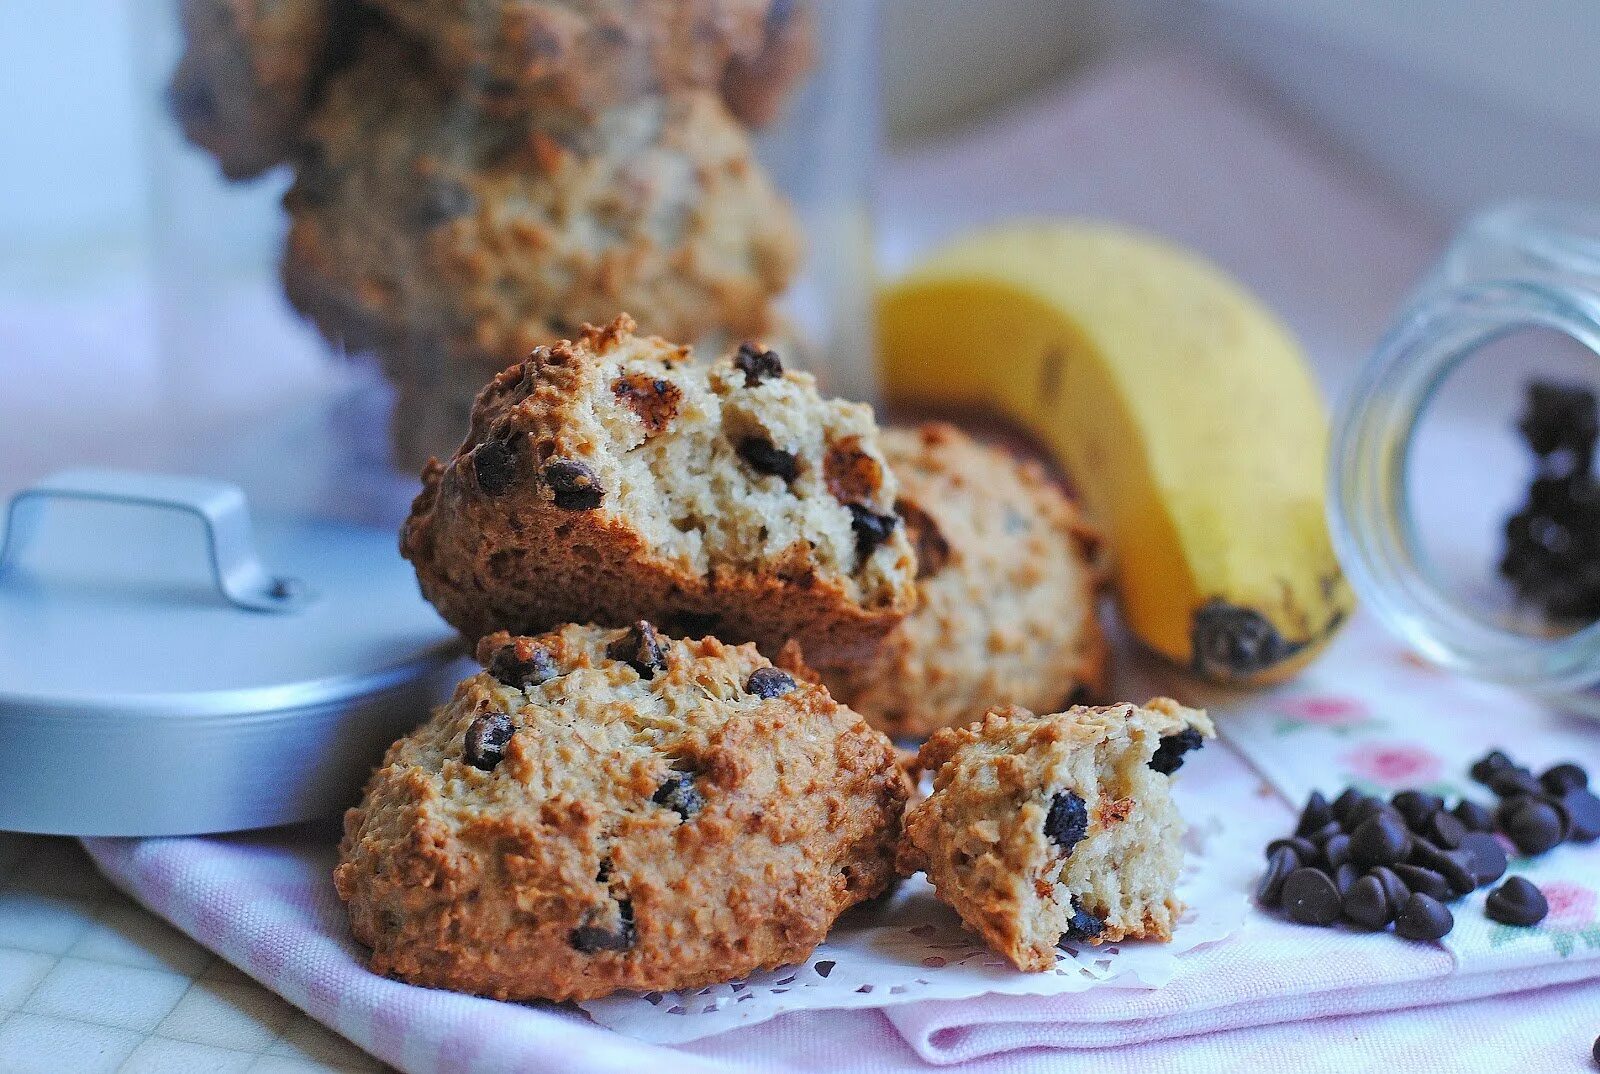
pixel 1371 863
pixel 1552 552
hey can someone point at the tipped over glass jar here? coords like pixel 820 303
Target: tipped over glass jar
pixel 1463 496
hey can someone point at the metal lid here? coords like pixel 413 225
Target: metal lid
pixel 160 675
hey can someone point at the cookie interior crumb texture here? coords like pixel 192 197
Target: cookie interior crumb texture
pixel 1007 576
pixel 610 808
pixel 614 478
pixel 1047 830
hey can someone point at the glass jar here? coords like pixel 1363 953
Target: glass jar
pixel 1419 497
pixel 358 208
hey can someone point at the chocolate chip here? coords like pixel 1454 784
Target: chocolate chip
pixel 1563 778
pixel 756 364
pixel 1304 849
pixel 1366 903
pixel 1455 867
pixel 1310 897
pixel 591 938
pixel 642 649
pixel 1083 926
pixel 522 663
pixel 1380 840
pixel 764 457
pixel 1067 821
pixel 1445 830
pixel 1559 417
pixel 1316 813
pixel 1490 763
pixel 1169 753
pixel 1583 815
pixel 1511 782
pixel 933 551
pixel 1474 817
pixel 679 794
pixel 653 400
pixel 1535 826
pixel 1336 850
pixel 871 530
pixel 768 683
pixel 1424 881
pixel 1485 857
pixel 1280 863
pixel 494 464
pixel 1423 917
pixel 1344 876
pixel 1366 810
pixel 1516 902
pixel 1326 832
pixel 1416 807
pixel 1394 889
pixel 487 737
pixel 1348 801
pixel 576 487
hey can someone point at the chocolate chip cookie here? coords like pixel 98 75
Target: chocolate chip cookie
pixel 1060 829
pixel 1007 576
pixel 606 809
pixel 617 478
pixel 418 222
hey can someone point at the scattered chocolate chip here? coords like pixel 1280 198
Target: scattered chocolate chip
pixel 1473 817
pixel 768 683
pixel 1423 917
pixel 1487 765
pixel 1326 832
pixel 1423 881
pixel 1230 642
pixel 1445 830
pixel 591 938
pixel 576 487
pixel 1380 841
pixel 679 794
pixel 642 649
pixel 1310 897
pixel 1511 782
pixel 764 457
pixel 1366 903
pixel 1083 926
pixel 1485 857
pixel 1316 814
pixel 1346 803
pixel 1453 866
pixel 1369 808
pixel 1563 778
pixel 1304 849
pixel 1394 889
pixel 487 737
pixel 1416 807
pixel 933 551
pixel 1535 826
pixel 653 400
pixel 871 530
pixel 522 663
pixel 1559 417
pixel 494 464
pixel 1344 876
pixel 1169 753
pixel 1336 850
pixel 851 474
pixel 756 364
pixel 1583 815
pixel 1280 863
pixel 1516 902
pixel 1068 820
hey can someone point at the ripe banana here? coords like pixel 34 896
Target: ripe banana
pixel 1181 409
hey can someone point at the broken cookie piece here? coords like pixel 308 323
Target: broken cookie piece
pixel 1051 830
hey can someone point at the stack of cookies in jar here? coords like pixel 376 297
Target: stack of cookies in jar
pixel 472 180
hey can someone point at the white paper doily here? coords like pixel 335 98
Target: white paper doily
pixel 910 947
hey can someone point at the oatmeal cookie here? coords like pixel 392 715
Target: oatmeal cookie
pixel 616 478
pixel 417 221
pixel 520 55
pixel 249 71
pixel 1007 576
pixel 1044 830
pixel 608 809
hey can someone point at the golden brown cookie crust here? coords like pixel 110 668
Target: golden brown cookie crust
pixel 1008 579
pixel 565 503
pixel 661 827
pixel 983 835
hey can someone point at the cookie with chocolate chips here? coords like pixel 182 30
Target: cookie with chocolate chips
pixel 614 478
pixel 603 809
pixel 1007 577
pixel 1055 830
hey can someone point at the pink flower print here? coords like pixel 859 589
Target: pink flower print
pixel 1325 710
pixel 1571 906
pixel 1393 764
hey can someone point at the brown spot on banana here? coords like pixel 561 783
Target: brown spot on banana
pixel 1234 644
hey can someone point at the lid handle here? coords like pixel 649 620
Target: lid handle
pixel 220 506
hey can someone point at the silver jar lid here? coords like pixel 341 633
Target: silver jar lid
pixel 167 668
